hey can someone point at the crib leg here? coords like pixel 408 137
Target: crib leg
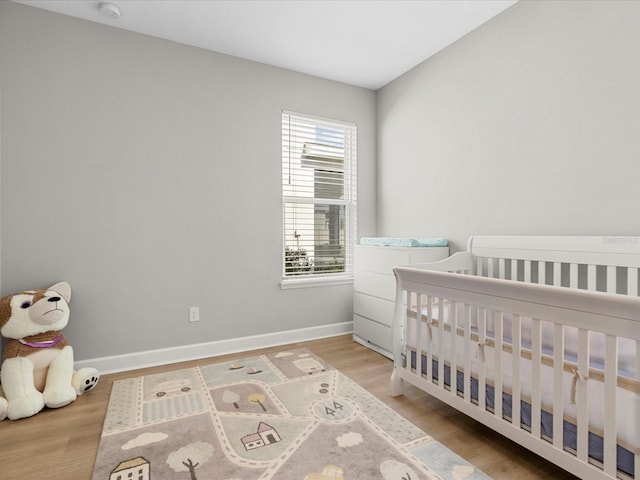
pixel 396 383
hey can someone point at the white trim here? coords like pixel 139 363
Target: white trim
pixel 304 281
pixel 315 118
pixel 164 356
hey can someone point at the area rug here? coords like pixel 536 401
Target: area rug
pixel 284 416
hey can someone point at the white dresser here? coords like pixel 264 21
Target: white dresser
pixel 375 290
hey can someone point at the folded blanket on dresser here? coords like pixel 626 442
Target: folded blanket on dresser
pixel 404 242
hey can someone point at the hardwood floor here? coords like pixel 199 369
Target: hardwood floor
pixel 62 444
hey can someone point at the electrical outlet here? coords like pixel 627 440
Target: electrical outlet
pixel 194 314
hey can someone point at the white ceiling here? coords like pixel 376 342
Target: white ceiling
pixel 366 43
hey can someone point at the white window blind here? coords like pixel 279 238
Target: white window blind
pixel 319 196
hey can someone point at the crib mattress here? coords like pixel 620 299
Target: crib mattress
pixel 626 347
pixel 625 457
pixel 628 401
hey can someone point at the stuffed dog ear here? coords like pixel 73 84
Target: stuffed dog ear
pixel 63 288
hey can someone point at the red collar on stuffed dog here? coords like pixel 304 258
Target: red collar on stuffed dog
pixel 45 344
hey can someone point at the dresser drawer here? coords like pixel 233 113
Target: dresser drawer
pixel 375 284
pixel 375 289
pixel 373 308
pixel 373 332
pixel 383 259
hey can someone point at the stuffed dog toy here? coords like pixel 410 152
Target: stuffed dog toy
pixel 37 370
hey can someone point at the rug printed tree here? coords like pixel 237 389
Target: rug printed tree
pixel 190 457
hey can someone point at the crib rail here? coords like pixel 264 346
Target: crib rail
pixel 496 342
pixel 610 264
pixel 460 328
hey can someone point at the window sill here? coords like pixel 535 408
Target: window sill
pixel 289 283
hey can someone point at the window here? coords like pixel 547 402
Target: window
pixel 319 197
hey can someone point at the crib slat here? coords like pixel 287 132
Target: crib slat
pixel 406 299
pixel 536 355
pixel 482 379
pixel 453 364
pixel 611 279
pixel 418 330
pixel 441 356
pixel 490 327
pixel 515 393
pixel 404 331
pixel 632 282
pixel 573 275
pixel 557 274
pixel 542 273
pixel 582 397
pixel 479 271
pixel 638 361
pixel 610 382
pixel 467 355
pixel 591 277
pixel 428 368
pixel 558 371
pixel 498 318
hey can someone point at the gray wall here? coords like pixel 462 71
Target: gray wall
pixel 528 125
pixel 147 174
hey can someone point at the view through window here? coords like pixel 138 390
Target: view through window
pixel 319 195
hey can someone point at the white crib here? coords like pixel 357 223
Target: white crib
pixel 541 329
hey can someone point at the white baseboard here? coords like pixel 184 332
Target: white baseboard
pixel 163 356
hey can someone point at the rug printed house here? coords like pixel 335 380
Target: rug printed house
pixel 329 472
pixel 135 468
pixel 265 435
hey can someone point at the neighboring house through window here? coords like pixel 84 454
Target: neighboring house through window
pixel 319 198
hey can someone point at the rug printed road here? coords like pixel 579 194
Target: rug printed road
pixel 281 416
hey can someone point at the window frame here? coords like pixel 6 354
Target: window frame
pixel 348 199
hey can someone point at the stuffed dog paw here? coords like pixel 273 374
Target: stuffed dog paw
pixel 37 370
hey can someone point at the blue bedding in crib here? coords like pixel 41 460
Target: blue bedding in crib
pixel 625 458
